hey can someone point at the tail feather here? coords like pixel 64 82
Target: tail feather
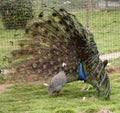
pixel 58 37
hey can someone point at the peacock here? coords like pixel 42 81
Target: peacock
pixel 56 37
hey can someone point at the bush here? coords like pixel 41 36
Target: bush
pixel 15 13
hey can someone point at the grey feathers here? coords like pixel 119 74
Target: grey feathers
pixel 57 83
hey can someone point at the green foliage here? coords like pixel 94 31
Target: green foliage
pixel 115 62
pixel 15 13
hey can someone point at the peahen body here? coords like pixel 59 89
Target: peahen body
pixel 58 37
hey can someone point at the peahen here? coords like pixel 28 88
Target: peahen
pixel 58 37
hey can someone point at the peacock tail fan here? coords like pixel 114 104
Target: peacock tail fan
pixel 58 37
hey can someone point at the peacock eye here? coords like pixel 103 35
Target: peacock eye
pixel 46 31
pixel 60 22
pixel 65 18
pixel 49 21
pixel 67 30
pixel 54 14
pixel 71 27
pixel 40 15
pixel 26 30
pixel 36 25
pixel 56 29
pixel 61 9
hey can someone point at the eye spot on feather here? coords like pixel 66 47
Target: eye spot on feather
pixel 40 15
pixel 36 25
pixel 76 32
pixel 64 17
pixel 54 14
pixel 49 21
pixel 60 22
pixel 56 29
pixel 61 10
pixel 27 30
pixel 34 34
pixel 67 30
pixel 71 27
pixel 46 32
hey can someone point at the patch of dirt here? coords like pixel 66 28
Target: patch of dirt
pixel 113 70
pixel 4 87
pixel 80 112
pixel 104 111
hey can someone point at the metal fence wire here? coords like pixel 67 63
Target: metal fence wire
pixel 101 17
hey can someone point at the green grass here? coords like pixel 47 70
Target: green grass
pixel 115 62
pixel 105 27
pixel 26 98
pixel 7 37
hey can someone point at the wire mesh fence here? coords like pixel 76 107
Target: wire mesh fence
pixel 101 17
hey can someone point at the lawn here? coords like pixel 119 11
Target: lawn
pixel 8 42
pixel 115 62
pixel 33 98
pixel 105 27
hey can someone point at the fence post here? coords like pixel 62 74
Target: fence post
pixel 88 14
pixel 106 5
